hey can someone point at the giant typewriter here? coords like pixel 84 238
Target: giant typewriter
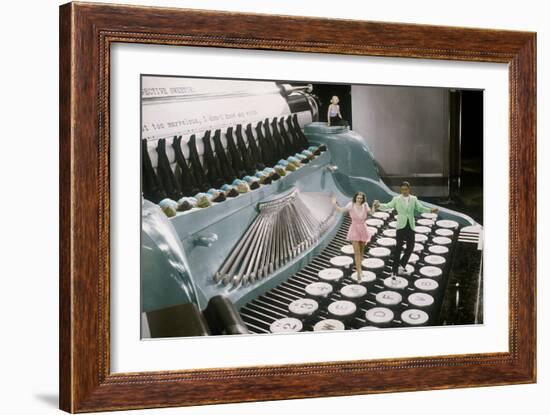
pixel 239 235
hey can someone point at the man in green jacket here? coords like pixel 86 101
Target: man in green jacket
pixel 406 206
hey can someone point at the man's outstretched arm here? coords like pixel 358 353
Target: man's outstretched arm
pixel 419 207
pixel 389 205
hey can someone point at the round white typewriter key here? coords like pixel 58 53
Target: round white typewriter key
pixel 303 307
pixel 330 274
pixel 353 292
pixel 398 283
pixel 422 229
pixel 347 249
pixel 379 315
pixel 379 252
pixel 366 276
pixel 430 271
pixel 413 259
pixel 409 269
pixel 438 249
pixel 369 328
pixel 374 222
pixel 389 298
pixel 429 215
pixel 386 242
pixel 341 261
pixel 373 264
pixel 286 325
pixel 390 233
pixel 381 215
pixel 318 289
pixel 419 237
pixel 434 260
pixel 444 232
pixel 393 224
pixel 372 230
pixel 342 309
pixel 420 299
pixel 425 222
pixel 445 223
pixel 329 324
pixel 418 247
pixel 414 317
pixel 426 284
pixel 441 240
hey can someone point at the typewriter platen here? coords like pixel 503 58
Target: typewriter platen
pixel 239 235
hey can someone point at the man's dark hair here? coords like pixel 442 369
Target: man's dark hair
pixel 406 184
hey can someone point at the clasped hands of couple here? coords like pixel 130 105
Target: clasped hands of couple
pixel 376 205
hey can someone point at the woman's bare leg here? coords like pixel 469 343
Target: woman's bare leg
pixel 361 255
pixel 358 258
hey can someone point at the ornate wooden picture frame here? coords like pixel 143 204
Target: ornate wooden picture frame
pixel 87 32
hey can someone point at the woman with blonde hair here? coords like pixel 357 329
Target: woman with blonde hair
pixel 358 233
pixel 333 114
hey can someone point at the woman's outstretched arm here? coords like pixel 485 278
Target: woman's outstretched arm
pixel 335 204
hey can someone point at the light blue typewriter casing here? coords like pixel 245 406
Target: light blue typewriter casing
pixel 208 235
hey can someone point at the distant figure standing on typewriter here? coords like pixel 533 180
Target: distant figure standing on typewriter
pixel 358 234
pixel 406 206
pixel 333 115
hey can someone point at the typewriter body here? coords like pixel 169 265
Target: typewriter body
pixel 241 262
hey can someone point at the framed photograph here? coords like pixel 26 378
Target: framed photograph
pixel 254 207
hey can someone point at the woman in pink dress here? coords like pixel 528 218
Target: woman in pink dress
pixel 358 234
